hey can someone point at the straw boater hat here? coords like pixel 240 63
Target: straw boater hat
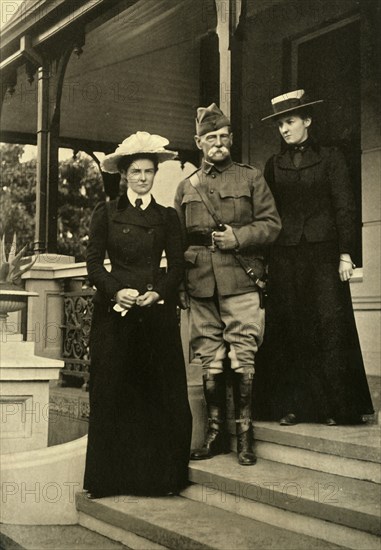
pixel 141 142
pixel 291 101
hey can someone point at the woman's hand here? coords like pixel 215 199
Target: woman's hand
pixel 147 299
pixel 126 297
pixel 346 267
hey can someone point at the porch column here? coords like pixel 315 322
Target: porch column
pixel 52 194
pixel 228 18
pixel 40 239
pixel 223 31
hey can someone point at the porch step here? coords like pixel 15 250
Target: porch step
pixel 54 537
pixel 338 509
pixel 350 451
pixel 181 523
pixel 356 442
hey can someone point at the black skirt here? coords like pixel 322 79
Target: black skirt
pixel 140 421
pixel 310 363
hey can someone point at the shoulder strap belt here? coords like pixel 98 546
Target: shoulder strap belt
pixel 196 184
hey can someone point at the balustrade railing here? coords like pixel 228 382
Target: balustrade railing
pixel 78 309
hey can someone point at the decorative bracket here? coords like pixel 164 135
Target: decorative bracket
pixel 29 52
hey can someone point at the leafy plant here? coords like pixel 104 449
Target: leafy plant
pixel 14 266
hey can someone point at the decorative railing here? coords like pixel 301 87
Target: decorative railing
pixel 78 309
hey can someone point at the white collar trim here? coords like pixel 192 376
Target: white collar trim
pixel 132 196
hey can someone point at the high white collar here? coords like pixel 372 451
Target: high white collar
pixel 132 196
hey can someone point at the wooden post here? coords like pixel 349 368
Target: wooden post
pixel 52 194
pixel 228 17
pixel 223 32
pixel 40 240
pixel 237 95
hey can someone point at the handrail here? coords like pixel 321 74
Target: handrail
pixel 54 270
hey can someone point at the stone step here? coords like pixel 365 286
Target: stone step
pixel 180 523
pixel 54 537
pixel 356 442
pixel 351 451
pixel 321 462
pixel 337 499
pixel 330 532
pixel 126 537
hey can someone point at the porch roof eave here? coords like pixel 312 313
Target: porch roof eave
pixel 25 18
pixel 185 154
pixel 27 138
pixel 44 19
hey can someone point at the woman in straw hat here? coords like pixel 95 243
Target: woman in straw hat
pixel 310 367
pixel 140 421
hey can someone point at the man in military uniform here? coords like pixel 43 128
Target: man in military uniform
pixel 226 313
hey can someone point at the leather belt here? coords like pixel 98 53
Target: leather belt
pixel 200 239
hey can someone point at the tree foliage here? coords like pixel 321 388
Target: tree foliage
pixel 17 195
pixel 80 187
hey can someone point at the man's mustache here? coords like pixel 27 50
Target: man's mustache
pixel 214 149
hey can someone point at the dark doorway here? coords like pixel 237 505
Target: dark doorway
pixel 326 63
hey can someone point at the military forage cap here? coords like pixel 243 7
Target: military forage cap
pixel 210 119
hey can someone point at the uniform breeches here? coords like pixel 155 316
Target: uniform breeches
pixel 222 325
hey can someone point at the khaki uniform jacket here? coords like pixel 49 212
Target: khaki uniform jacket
pixel 241 197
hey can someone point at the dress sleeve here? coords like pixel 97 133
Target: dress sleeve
pixel 269 172
pixel 168 285
pixel 180 211
pixel 96 251
pixel 343 202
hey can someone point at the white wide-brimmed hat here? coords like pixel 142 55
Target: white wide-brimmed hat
pixel 141 142
pixel 292 101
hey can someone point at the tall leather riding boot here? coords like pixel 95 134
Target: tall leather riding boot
pixel 216 438
pixel 242 389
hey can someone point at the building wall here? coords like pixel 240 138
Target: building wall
pixel 266 36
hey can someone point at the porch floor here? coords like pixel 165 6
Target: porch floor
pixel 70 407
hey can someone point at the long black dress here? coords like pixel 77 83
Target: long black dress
pixel 310 363
pixel 140 420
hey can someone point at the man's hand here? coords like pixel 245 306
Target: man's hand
pixel 225 240
pixel 126 297
pixel 184 300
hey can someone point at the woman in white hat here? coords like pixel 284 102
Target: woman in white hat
pixel 140 421
pixel 310 368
